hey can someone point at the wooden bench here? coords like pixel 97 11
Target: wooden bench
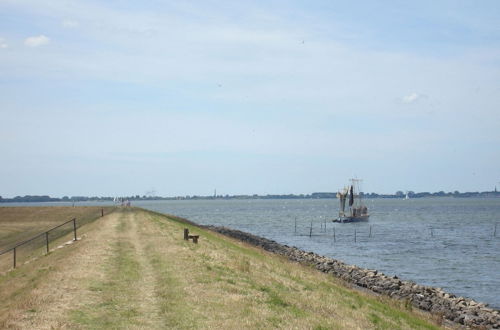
pixel 188 237
pixel 194 238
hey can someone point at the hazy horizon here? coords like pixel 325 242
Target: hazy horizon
pixel 120 98
pixel 153 194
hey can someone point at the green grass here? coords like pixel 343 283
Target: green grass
pixel 282 293
pixel 148 277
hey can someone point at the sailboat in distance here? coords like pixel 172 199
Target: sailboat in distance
pixel 357 211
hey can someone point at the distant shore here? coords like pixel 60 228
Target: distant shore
pixel 315 195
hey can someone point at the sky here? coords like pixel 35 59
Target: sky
pixel 114 98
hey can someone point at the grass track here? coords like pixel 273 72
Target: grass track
pixel 134 270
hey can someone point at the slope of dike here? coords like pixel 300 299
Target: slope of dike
pixel 133 269
pixel 459 310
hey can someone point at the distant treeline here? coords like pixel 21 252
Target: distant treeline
pixel 398 194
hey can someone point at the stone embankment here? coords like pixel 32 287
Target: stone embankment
pixel 460 310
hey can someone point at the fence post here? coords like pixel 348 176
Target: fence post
pixel 102 212
pixel 14 257
pixel 74 228
pixel 47 240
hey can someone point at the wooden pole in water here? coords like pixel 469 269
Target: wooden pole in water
pixel 334 239
pixel 354 235
pixel 370 231
pixel 295 225
pixel 311 229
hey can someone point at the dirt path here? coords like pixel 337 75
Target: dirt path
pixel 148 300
pixel 106 279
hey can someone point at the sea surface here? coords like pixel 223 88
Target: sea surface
pixel 441 242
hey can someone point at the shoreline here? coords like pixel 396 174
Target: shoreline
pixel 458 310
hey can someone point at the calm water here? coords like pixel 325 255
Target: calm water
pixel 443 242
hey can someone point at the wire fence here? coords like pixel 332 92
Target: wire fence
pixel 42 243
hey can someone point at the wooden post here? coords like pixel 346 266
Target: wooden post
pixel 334 239
pixel 74 228
pixel 295 225
pixel 186 234
pixel 102 212
pixel 47 240
pixel 370 231
pixel 14 257
pixel 311 229
pixel 195 239
pixel 354 235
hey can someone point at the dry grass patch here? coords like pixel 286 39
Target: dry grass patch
pixel 142 274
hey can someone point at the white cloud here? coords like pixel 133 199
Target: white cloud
pixel 36 41
pixel 412 98
pixel 3 44
pixel 70 24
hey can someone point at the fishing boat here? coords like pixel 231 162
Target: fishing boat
pixel 357 210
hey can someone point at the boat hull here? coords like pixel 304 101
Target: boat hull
pixel 346 219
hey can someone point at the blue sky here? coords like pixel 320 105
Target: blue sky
pixel 122 97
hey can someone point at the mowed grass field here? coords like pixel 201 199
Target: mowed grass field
pixel 132 269
pixel 20 223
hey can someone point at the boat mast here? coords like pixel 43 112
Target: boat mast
pixel 358 199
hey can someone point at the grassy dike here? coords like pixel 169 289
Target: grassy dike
pixel 132 269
